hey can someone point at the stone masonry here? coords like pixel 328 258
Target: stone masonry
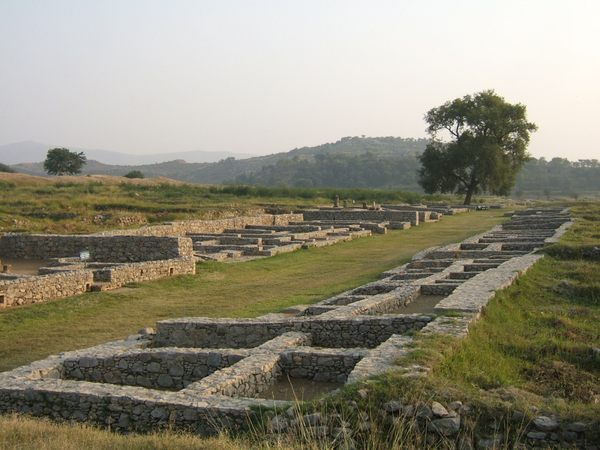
pixel 204 375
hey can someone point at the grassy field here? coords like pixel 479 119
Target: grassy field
pixel 538 341
pixel 87 204
pixel 221 290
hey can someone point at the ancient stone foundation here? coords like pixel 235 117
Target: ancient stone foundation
pixel 75 264
pixel 204 374
pixel 78 264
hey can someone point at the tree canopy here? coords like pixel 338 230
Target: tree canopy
pixel 478 144
pixel 62 161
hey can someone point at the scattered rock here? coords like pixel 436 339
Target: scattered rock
pixel 447 426
pixel 569 436
pixel 545 423
pixel 577 427
pixel 517 417
pixel 536 435
pixel 363 393
pixel 424 412
pixel 455 406
pixel 438 410
pixel 392 407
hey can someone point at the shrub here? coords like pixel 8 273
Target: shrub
pixel 134 174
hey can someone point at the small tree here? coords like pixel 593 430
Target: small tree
pixel 62 161
pixel 134 174
pixel 487 145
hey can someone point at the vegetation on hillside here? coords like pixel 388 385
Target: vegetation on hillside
pixel 368 170
pixel 386 163
pixel 42 205
pixel 230 168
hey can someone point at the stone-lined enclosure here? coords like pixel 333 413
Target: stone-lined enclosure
pixel 206 374
pixel 117 258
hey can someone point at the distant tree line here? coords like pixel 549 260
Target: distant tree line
pixel 559 176
pixel 361 171
pixel 538 177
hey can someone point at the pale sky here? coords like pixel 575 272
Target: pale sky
pixel 143 76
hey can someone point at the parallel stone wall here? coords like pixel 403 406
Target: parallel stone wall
pixel 38 289
pixel 363 214
pixel 360 331
pixel 181 228
pixel 119 275
pixel 165 368
pixel 101 248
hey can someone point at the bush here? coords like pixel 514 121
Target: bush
pixel 134 174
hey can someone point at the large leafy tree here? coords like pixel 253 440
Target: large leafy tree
pixel 62 161
pixel 478 144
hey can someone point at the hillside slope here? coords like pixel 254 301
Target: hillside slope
pixel 229 169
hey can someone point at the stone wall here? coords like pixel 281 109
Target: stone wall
pixel 38 289
pixel 118 275
pixel 101 248
pixel 164 368
pixel 359 331
pixel 363 214
pixel 321 364
pixel 181 228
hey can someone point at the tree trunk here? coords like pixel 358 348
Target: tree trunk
pixel 468 197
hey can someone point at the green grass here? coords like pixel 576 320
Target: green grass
pixel 536 338
pixel 221 290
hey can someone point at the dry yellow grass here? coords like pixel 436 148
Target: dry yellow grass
pixel 21 178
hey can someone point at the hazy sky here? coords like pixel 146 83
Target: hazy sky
pixel 266 76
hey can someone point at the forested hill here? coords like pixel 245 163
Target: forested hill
pixel 380 162
pixel 229 169
pixel 368 170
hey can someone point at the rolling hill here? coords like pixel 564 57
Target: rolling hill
pixel 229 169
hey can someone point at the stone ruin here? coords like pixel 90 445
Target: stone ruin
pixel 116 258
pixel 203 374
